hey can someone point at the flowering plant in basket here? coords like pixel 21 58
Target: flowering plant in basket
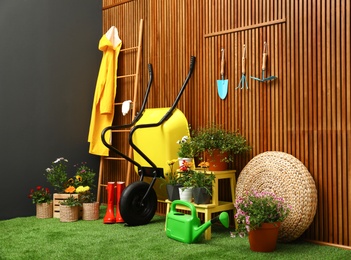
pixel 40 195
pixel 85 194
pixel 71 201
pixel 57 176
pixel 256 208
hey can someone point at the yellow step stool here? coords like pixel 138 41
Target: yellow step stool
pixel 216 205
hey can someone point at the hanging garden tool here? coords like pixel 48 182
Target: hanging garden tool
pixel 264 58
pixel 222 84
pixel 243 81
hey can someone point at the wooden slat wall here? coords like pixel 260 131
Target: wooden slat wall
pixel 305 112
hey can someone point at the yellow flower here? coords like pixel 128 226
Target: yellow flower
pixel 171 162
pixel 70 189
pixel 70 180
pixel 79 178
pixel 82 189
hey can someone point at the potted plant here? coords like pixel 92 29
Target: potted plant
pixel 69 209
pixel 57 174
pixel 202 184
pixel 185 151
pixel 218 145
pixel 173 184
pixel 90 206
pixel 259 214
pixel 65 187
pixel 42 198
pixel 186 181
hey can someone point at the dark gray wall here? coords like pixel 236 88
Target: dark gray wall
pixel 48 68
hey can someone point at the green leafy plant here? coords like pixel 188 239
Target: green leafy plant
pixel 185 147
pixel 214 137
pixel 256 208
pixel 203 179
pixel 71 201
pixel 57 174
pixel 40 195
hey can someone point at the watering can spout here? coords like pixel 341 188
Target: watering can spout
pixel 223 218
pixel 186 228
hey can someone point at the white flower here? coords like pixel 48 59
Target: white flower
pixel 60 159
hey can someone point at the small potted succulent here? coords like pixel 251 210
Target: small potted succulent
pixel 259 212
pixel 218 146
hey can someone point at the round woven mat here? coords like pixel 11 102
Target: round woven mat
pixel 287 177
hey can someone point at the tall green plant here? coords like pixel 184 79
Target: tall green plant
pixel 215 137
pixel 57 174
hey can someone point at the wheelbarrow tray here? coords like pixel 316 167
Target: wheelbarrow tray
pixel 159 143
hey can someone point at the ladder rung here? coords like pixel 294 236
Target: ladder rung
pixel 121 131
pixel 130 48
pixel 126 76
pixel 103 185
pixel 121 103
pixel 114 158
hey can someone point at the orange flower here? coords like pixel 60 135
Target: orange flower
pixel 70 189
pixel 204 164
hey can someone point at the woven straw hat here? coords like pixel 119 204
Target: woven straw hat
pixel 287 177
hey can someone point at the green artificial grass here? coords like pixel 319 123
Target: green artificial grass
pixel 32 238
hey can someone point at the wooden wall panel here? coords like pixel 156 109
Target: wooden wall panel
pixel 305 112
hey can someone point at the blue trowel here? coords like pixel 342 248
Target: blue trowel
pixel 222 84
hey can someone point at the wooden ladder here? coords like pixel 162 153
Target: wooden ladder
pixel 103 159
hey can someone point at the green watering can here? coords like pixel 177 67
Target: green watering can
pixel 186 228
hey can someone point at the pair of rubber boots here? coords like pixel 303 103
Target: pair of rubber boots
pixel 110 215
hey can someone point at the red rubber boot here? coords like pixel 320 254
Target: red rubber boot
pixel 120 187
pixel 110 214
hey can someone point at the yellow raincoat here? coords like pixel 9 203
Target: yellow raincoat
pixel 105 92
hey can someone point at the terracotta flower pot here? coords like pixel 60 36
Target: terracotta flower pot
pixel 264 238
pixel 215 160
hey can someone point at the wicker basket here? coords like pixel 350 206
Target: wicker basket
pixel 91 211
pixel 58 198
pixel 44 210
pixel 68 213
pixel 287 177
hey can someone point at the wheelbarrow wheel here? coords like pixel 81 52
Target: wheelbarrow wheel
pixel 133 212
